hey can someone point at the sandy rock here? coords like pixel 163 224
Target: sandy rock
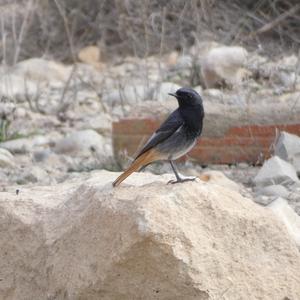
pixel 90 55
pixel 144 240
pixel 223 64
pixel 6 158
pixel 275 171
pixel 217 177
pixel 287 215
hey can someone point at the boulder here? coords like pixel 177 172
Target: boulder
pixel 223 64
pixel 287 147
pixel 276 171
pixel 82 239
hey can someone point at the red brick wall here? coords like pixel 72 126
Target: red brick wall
pixel 251 143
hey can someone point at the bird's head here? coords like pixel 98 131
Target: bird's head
pixel 187 97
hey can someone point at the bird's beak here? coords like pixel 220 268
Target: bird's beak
pixel 172 94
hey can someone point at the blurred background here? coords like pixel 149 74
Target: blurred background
pixel 83 83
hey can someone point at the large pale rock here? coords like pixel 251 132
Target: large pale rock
pixel 217 177
pixel 223 63
pixel 143 240
pixel 276 171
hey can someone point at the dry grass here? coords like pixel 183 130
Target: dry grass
pixel 59 28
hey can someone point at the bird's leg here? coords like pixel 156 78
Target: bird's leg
pixel 178 178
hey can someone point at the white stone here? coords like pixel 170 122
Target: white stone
pixel 288 216
pixel 275 171
pixel 143 240
pixel 223 63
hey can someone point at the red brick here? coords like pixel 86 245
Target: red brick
pixel 247 143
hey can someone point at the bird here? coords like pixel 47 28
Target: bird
pixel 176 136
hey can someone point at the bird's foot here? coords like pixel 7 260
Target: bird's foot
pixel 180 180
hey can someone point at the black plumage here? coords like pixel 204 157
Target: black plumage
pixel 175 137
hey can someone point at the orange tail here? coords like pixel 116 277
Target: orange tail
pixel 141 161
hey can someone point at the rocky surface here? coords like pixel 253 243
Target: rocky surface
pixel 144 240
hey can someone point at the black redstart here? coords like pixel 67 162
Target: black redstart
pixel 175 137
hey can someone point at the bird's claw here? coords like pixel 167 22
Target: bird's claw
pixel 180 180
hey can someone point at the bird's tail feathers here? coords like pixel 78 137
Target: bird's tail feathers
pixel 137 164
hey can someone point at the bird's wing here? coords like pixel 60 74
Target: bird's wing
pixel 167 128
